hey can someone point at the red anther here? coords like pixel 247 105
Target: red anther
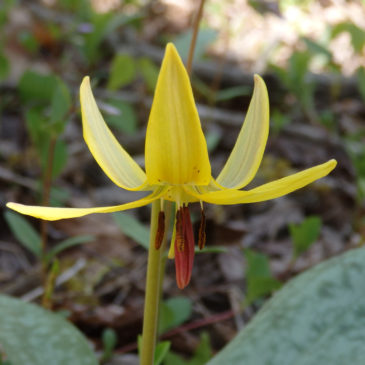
pixel 184 247
pixel 202 235
pixel 160 230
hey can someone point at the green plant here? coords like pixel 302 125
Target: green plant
pixel 305 234
pixel 259 280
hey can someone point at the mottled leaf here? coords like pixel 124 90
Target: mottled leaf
pixel 317 318
pixel 33 336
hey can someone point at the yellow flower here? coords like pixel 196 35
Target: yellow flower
pixel 177 162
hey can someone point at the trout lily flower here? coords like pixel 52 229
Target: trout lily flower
pixel 177 163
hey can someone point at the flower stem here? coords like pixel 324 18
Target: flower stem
pixel 152 298
pixel 194 36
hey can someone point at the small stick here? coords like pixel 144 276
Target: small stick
pixel 194 36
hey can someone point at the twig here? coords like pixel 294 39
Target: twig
pixel 10 176
pixel 188 327
pixel 194 36
pixel 47 182
pixel 65 276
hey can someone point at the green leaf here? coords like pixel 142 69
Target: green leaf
pixel 258 276
pixel 205 38
pixel 357 34
pixel 204 89
pixel 328 119
pixel 232 92
pixel 123 117
pixel 122 72
pixel 29 41
pixel 316 48
pixel 59 196
pixel 61 103
pixel 132 228
pixel 203 352
pixel 35 87
pixel 110 339
pixel 298 68
pixel 33 336
pixel 279 120
pixel 59 158
pixel 317 318
pixel 24 232
pixel 41 134
pixel 257 264
pixel 173 359
pixel 52 273
pixel 213 138
pixel 5 10
pixel 4 66
pixel 305 234
pixel 149 72
pixel 161 351
pixel 65 244
pixel 102 25
pixel 36 127
pixel 295 78
pixel 361 81
pixel 201 355
pixel 355 149
pixel 173 313
pixel 260 287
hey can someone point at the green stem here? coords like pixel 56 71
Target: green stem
pixel 152 297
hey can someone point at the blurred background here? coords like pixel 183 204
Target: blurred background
pixel 311 55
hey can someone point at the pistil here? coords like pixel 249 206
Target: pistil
pixel 184 247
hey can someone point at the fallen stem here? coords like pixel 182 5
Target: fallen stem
pixel 216 318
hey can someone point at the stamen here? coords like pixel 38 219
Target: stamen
pixel 202 233
pixel 160 230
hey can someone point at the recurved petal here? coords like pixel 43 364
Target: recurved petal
pixel 176 150
pixel 53 214
pixel 109 154
pixel 246 156
pixel 270 190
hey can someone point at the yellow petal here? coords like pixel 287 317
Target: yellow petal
pixel 270 190
pixel 176 150
pixel 53 214
pixel 246 156
pixel 109 154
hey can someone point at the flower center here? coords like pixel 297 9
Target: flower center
pixel 183 244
